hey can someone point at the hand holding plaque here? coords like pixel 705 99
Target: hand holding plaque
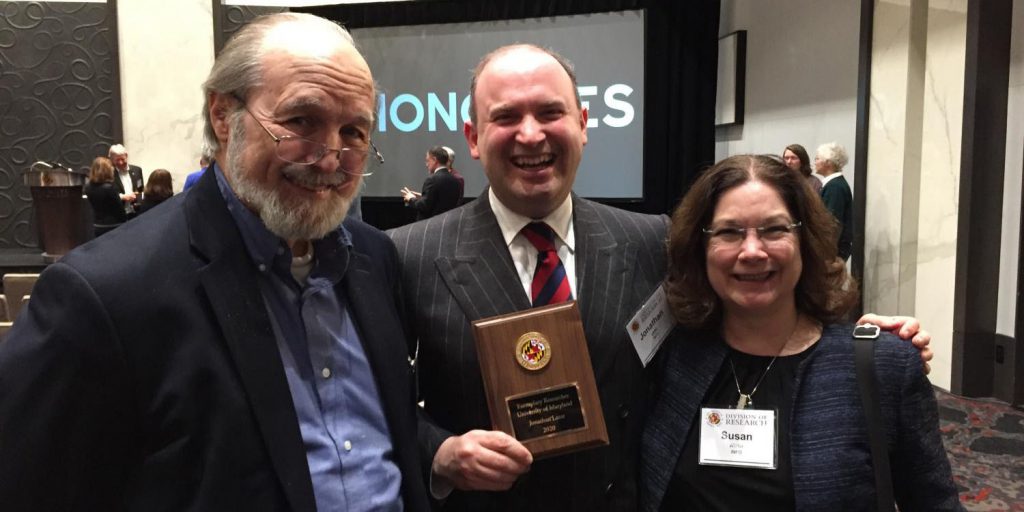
pixel 539 381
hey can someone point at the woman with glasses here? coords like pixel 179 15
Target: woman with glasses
pixel 759 405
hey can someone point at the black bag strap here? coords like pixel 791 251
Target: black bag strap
pixel 864 352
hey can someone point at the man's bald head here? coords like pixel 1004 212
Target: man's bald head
pixel 239 66
pixel 562 61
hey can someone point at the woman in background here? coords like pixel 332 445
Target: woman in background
pixel 107 209
pixel 159 188
pixel 796 158
pixel 762 375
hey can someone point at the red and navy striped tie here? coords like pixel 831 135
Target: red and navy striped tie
pixel 550 284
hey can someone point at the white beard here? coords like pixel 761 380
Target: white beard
pixel 290 220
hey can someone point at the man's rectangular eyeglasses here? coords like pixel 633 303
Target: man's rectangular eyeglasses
pixel 734 236
pixel 302 151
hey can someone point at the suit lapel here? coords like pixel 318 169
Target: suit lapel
pixel 135 173
pixel 230 283
pixel 375 325
pixel 604 269
pixel 117 181
pixel 692 364
pixel 481 275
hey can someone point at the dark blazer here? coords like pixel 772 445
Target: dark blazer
pixel 829 447
pixel 107 208
pixel 441 192
pixel 150 379
pixel 456 268
pixel 838 198
pixel 135 172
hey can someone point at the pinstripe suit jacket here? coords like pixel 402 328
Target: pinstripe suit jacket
pixel 829 448
pixel 456 268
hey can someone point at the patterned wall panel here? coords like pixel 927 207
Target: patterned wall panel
pixel 59 97
pixel 233 17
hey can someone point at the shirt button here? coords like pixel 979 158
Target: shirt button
pixel 326 372
pixel 348 446
pixel 262 267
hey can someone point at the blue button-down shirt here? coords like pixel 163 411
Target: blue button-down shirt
pixel 348 446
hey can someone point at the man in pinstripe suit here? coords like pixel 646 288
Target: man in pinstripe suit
pixel 528 129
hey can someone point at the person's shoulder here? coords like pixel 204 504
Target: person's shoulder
pixel 162 236
pixel 612 211
pixel 886 345
pixel 362 232
pixel 617 220
pixel 426 228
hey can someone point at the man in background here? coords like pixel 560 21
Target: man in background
pixel 128 178
pixel 441 190
pixel 193 178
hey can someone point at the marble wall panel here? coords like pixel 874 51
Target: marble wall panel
pixel 886 151
pixel 940 178
pixel 166 53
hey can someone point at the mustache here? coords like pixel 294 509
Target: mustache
pixel 305 176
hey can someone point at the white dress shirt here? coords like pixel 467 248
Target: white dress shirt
pixel 524 254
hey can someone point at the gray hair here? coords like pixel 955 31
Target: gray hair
pixel 117 149
pixel 833 153
pixel 562 61
pixel 238 68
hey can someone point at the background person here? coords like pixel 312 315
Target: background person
pixel 127 178
pixel 836 193
pixel 441 191
pixel 750 281
pixel 795 157
pixel 159 188
pixel 455 172
pixel 193 177
pixel 107 208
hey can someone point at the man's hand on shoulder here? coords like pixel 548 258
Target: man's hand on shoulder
pixel 906 327
pixel 481 460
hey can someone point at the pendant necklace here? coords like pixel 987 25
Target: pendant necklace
pixel 747 398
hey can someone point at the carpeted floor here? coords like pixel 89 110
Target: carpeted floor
pixel 985 443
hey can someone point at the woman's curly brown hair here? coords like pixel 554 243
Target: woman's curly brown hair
pixel 825 290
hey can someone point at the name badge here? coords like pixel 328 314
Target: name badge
pixel 650 326
pixel 737 437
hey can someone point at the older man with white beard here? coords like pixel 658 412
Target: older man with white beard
pixel 247 354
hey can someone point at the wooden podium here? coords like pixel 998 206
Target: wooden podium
pixel 539 381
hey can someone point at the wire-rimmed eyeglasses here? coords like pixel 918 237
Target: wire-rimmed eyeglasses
pixel 733 236
pixel 302 151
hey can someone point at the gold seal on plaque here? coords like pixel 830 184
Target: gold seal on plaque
pixel 533 351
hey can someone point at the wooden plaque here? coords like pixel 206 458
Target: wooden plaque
pixel 539 381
